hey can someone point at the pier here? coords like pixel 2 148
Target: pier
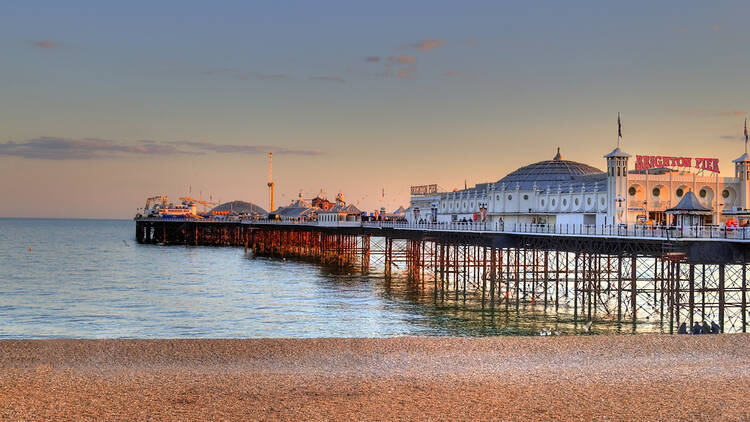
pixel 626 275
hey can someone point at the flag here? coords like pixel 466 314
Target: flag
pixel 383 194
pixel 619 126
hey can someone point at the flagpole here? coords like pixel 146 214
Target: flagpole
pixel 619 130
pixel 745 135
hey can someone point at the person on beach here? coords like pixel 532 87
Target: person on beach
pixel 697 329
pixel 715 329
pixel 706 328
pixel 682 329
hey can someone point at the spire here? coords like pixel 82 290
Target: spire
pixel 619 129
pixel 558 157
pixel 745 135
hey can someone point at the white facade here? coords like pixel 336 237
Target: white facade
pixel 567 193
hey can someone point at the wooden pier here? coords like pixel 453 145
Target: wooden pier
pixel 594 278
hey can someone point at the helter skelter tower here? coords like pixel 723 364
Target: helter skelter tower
pixel 270 179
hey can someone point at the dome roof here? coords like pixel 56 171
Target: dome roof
pixel 545 173
pixel 240 207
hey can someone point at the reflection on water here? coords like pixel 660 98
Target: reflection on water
pixel 89 279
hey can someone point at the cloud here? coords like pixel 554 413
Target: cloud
pixel 404 73
pixel 452 74
pixel 372 59
pixel 327 78
pixel 45 44
pixel 58 148
pixel 241 149
pixel 716 113
pixel 715 27
pixel 427 45
pixel 471 42
pixel 402 59
pixel 241 75
pixel 271 75
pixel 732 137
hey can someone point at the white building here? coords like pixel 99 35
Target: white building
pixel 563 192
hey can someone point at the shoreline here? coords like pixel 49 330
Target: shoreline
pixel 646 377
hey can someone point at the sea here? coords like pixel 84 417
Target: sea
pixel 90 279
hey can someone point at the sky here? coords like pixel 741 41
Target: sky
pixel 103 104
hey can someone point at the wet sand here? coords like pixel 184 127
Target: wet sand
pixel 506 378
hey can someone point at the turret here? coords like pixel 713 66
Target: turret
pixel 742 172
pixel 617 182
pixel 617 186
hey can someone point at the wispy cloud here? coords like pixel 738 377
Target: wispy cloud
pixel 58 148
pixel 242 75
pixel 470 42
pixel 716 113
pixel 271 75
pixel 427 45
pixel 402 59
pixel 327 78
pixel 45 44
pixel 241 149
pixel 372 59
pixel 732 137
pixel 406 72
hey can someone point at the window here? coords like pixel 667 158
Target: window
pixel 655 192
pixel 472 205
pixel 510 197
pixel 526 197
pixel 464 204
pixel 618 171
pixel 497 197
pixel 588 202
pixel 565 202
pixel 602 201
pixel 542 202
pixel 576 201
pixel 680 192
pixel 631 191
pixel 725 194
pixel 702 193
pixel 553 202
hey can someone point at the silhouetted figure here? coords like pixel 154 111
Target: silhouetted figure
pixel 706 328
pixel 715 329
pixel 697 329
pixel 682 329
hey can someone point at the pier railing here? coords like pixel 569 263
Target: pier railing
pixel 640 231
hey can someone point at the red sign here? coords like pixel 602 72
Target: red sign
pixel 644 162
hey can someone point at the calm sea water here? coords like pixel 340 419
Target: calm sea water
pixel 90 279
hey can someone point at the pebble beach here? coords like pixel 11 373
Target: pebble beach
pixel 646 377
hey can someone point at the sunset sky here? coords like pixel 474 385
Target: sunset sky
pixel 102 105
